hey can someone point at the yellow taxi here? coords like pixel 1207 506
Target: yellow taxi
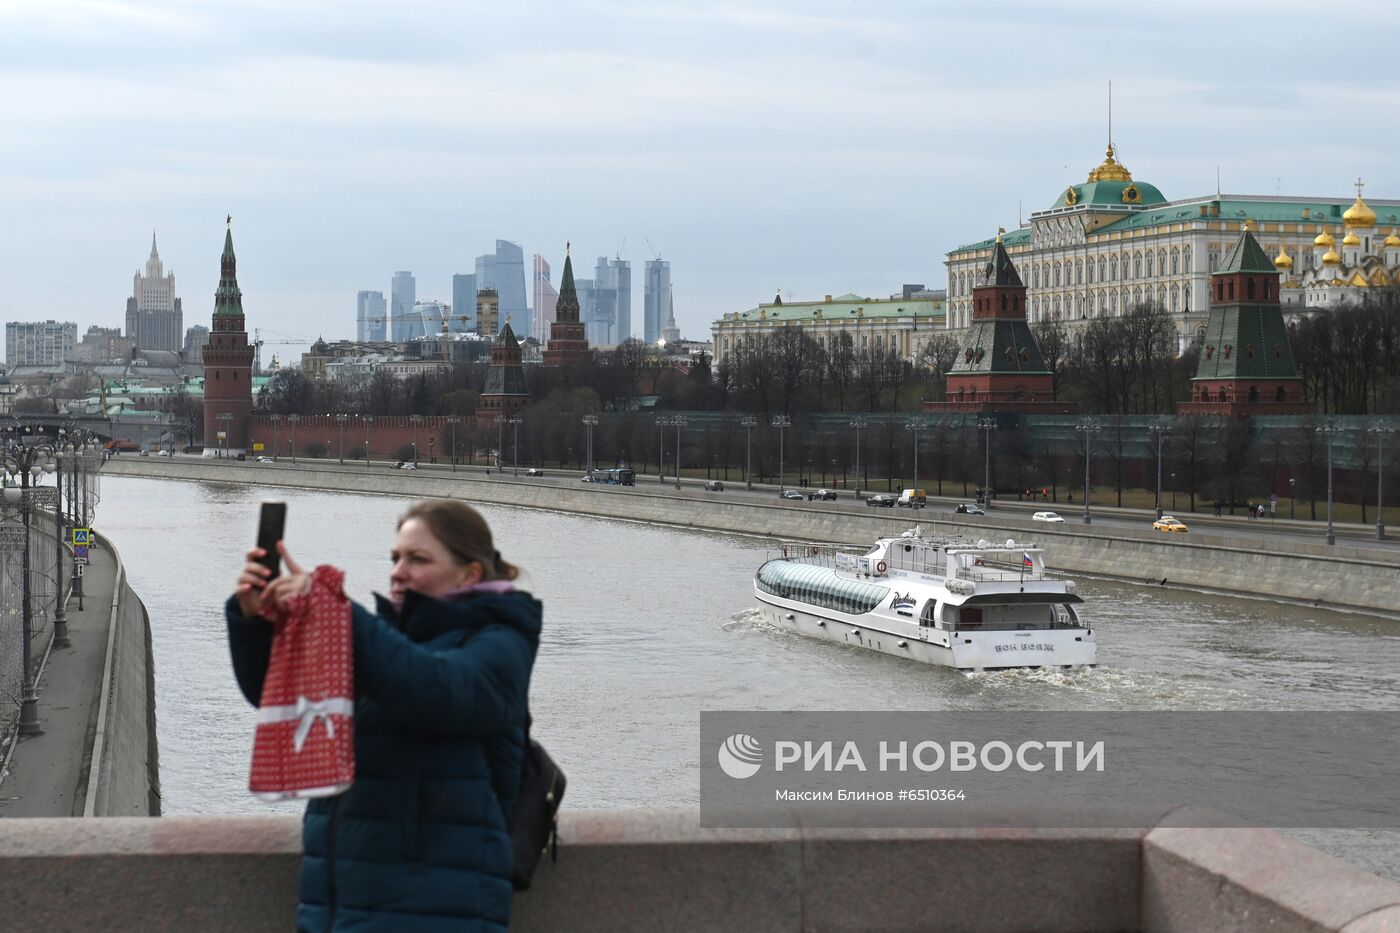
pixel 1168 523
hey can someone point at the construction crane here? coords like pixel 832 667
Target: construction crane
pixel 654 254
pixel 622 247
pixel 289 340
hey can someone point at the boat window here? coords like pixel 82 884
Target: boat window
pixel 819 586
pixel 929 615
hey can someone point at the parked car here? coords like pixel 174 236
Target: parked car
pixel 882 500
pixel 714 485
pixel 145 453
pixel 534 471
pixel 825 495
pixel 967 508
pixel 1047 517
pixel 1170 523
pixel 263 459
pixel 791 494
pixel 408 466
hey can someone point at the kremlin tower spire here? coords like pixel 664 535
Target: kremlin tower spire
pixel 228 364
pixel 566 341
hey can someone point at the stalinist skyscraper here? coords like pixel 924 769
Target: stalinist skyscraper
pixel 154 319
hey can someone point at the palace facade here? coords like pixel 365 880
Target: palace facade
pixel 1112 242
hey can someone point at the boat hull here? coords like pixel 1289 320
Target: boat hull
pixel 962 650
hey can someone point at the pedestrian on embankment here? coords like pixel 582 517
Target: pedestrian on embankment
pixel 441 675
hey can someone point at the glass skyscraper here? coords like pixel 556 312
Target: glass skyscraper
pixel 504 271
pixel 463 303
pixel 369 316
pixel 657 298
pixel 403 295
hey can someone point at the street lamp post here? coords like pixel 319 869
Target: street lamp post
pixel 589 423
pixel 1160 427
pixel 340 422
pixel 1087 427
pixel 294 420
pixel 514 423
pixel 223 418
pixel 452 422
pixel 748 422
pixel 858 424
pixel 368 421
pixel 680 423
pixel 1174 491
pixel 22 461
pixel 1380 429
pixel 1292 498
pixel 415 420
pixel 987 425
pixel 782 423
pixel 914 426
pixel 500 441
pixel 276 420
pixel 663 422
pixel 1329 430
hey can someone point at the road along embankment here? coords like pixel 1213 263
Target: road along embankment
pixel 1347 578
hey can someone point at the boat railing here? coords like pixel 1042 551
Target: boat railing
pixel 1057 625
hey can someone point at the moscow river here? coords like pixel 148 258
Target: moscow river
pixel 645 626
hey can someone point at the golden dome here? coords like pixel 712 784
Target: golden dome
pixel 1392 240
pixel 1250 225
pixel 1351 239
pixel 1323 238
pixel 1359 215
pixel 1330 258
pixel 1112 170
pixel 1283 260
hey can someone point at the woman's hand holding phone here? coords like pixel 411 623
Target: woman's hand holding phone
pixel 258 589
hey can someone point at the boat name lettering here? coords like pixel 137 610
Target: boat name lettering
pixel 1026 646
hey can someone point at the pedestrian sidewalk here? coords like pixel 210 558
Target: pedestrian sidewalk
pixel 47 773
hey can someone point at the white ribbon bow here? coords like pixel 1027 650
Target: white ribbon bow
pixel 308 711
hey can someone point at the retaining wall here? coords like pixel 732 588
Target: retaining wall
pixel 645 871
pixel 1356 578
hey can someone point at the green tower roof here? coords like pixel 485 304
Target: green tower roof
pixel 1246 256
pixel 228 300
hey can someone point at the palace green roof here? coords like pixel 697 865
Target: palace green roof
pixel 843 307
pixel 1111 193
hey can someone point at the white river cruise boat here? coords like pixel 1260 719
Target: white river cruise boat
pixel 966 605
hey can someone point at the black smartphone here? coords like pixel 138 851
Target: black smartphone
pixel 270 527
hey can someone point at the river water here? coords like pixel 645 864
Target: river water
pixel 645 626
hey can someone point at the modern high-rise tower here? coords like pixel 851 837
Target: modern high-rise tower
pixel 545 298
pixel 228 364
pixel 403 295
pixel 504 271
pixel 154 319
pixel 369 316
pixel 620 280
pixel 463 303
pixel 600 316
pixel 656 296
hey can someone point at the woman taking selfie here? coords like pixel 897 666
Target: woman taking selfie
pixel 441 675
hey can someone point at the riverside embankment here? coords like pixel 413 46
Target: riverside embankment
pixel 1340 577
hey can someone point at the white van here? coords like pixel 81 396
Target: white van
pixel 912 498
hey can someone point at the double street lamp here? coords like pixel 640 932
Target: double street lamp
pixel 514 423
pixel 589 423
pixel 276 420
pixel 1087 427
pixel 1160 427
pixel 452 421
pixel 748 423
pixel 987 425
pixel 1329 430
pixel 914 426
pixel 858 424
pixel 1380 429
pixel 224 419
pixel 340 422
pixel 678 422
pixel 782 423
pixel 415 420
pixel 293 420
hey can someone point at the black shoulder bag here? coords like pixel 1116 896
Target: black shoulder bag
pixel 533 823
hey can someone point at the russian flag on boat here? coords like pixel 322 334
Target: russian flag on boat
pixel 1026 560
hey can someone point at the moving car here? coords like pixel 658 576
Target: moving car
pixel 912 498
pixel 263 459
pixel 1047 517
pixel 825 495
pixel 791 494
pixel 967 508
pixel 408 466
pixel 714 485
pixel 883 500
pixel 1170 523
pixel 534 471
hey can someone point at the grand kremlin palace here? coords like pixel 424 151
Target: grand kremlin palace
pixel 1113 242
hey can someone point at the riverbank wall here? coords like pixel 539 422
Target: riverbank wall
pixel 1351 578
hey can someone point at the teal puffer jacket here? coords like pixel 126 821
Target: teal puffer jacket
pixel 420 841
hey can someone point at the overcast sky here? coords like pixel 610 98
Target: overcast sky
pixel 814 147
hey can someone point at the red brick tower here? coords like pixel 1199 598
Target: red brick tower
pixel 566 341
pixel 228 364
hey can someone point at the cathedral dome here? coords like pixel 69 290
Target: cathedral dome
pixel 1351 239
pixel 1330 258
pixel 1283 260
pixel 1359 215
pixel 1323 239
pixel 1392 240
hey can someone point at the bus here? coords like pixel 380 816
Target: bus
pixel 617 476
